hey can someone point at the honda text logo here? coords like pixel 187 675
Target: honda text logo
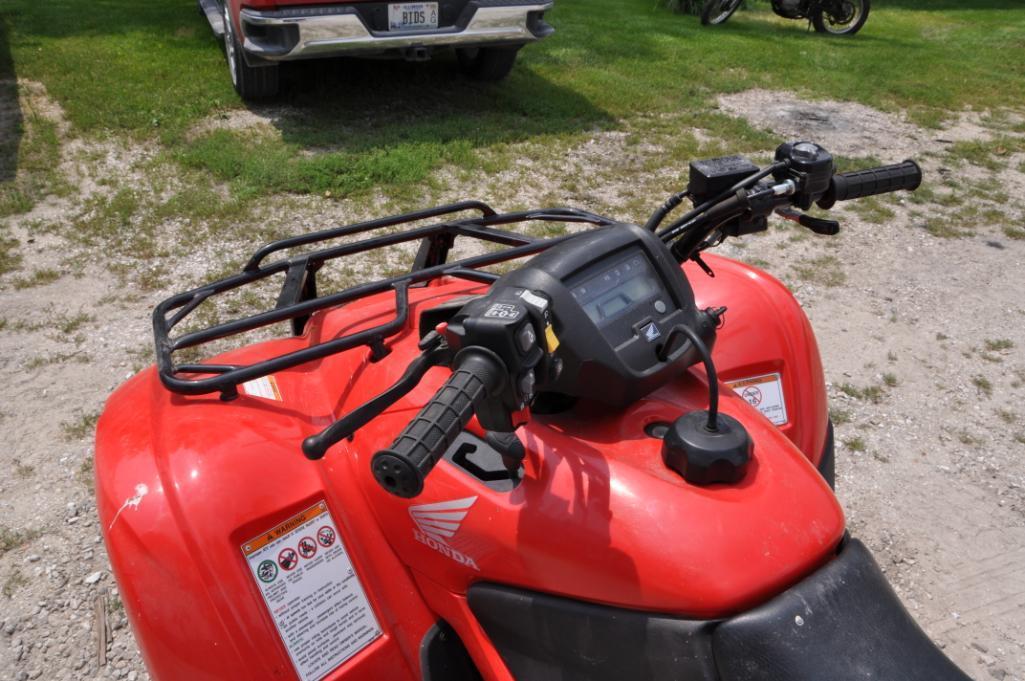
pixel 437 523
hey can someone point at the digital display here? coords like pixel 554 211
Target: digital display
pixel 616 287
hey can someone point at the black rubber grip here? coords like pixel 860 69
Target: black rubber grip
pixel 861 183
pixel 402 468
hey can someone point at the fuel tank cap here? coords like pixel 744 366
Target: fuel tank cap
pixel 704 456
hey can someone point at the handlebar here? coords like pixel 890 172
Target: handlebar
pixel 402 468
pixel 742 208
pixel 862 183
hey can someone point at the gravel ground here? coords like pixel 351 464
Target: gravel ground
pixel 923 339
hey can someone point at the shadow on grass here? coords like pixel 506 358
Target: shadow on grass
pixel 348 125
pixel 11 120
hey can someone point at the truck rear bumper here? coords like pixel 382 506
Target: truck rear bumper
pixel 325 31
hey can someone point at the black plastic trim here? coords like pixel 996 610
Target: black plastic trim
pixel 843 623
pixel 827 463
pixel 443 657
pixel 547 638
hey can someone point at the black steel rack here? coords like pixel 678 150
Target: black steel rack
pixel 298 298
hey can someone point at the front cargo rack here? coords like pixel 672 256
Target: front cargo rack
pixel 298 298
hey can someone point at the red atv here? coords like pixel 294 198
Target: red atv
pixel 545 475
pixel 260 34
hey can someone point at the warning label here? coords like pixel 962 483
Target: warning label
pixel 765 393
pixel 314 596
pixel 265 387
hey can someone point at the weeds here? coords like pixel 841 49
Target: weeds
pixel 40 361
pixel 890 380
pixel 37 278
pixel 23 470
pixel 872 393
pixel 999 344
pixel 966 438
pixel 839 416
pixel 824 270
pixel 80 428
pixel 947 228
pixel 86 474
pixel 983 385
pixel 10 259
pixel 855 444
pixel 14 581
pixel 11 539
pixel 1008 417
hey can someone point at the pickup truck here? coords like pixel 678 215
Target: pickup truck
pixel 260 34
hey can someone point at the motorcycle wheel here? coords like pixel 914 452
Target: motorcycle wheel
pixel 840 17
pixel 715 12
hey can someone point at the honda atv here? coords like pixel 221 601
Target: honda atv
pixel 597 465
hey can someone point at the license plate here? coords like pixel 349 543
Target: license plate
pixel 411 16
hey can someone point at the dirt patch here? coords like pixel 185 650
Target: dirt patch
pixel 264 119
pixel 847 128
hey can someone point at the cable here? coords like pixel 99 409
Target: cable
pixel 662 211
pixel 682 224
pixel 713 376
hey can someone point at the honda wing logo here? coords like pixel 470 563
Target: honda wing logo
pixel 436 524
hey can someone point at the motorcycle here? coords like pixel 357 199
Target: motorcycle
pixel 837 17
pixel 602 464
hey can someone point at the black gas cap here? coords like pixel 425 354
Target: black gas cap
pixel 704 456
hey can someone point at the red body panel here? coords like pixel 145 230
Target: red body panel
pixel 182 482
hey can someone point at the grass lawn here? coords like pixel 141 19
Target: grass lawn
pixel 152 71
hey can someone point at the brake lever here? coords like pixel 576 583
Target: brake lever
pixel 436 353
pixel 817 225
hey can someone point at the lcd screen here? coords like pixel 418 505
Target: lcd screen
pixel 617 287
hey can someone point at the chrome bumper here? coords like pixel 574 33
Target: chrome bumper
pixel 321 31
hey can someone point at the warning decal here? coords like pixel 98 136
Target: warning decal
pixel 313 593
pixel 765 393
pixel 265 387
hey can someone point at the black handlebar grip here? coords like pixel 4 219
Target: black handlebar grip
pixel 861 183
pixel 401 469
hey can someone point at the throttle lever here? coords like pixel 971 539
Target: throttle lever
pixel 817 225
pixel 435 354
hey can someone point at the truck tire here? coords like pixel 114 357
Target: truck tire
pixel 251 83
pixel 488 64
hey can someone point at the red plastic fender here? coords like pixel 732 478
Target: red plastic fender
pixel 765 332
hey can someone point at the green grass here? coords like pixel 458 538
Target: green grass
pixel 152 71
